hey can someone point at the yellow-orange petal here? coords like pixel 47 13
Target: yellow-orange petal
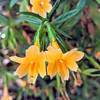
pixel 32 2
pixel 73 55
pixel 53 54
pixel 34 10
pixel 42 65
pixel 62 70
pixel 16 59
pixel 22 69
pixel 64 73
pixel 32 50
pixel 32 72
pixel 32 53
pixel 46 1
pixel 42 69
pixel 43 14
pixel 41 7
pixel 97 55
pixel 51 69
pixel 49 8
pixel 72 65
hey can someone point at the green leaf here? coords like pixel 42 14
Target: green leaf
pixel 62 43
pixel 95 14
pixel 24 5
pixel 68 24
pixel 12 3
pixel 95 75
pixel 98 1
pixel 66 16
pixel 3 20
pixel 90 70
pixel 56 5
pixel 12 36
pixel 51 32
pixel 62 32
pixel 92 60
pixel 31 18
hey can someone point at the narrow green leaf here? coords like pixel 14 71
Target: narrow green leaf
pixel 92 60
pixel 70 14
pixel 62 32
pixel 12 3
pixel 12 36
pixel 62 43
pixel 56 5
pixel 23 6
pixel 51 32
pixel 95 75
pixel 3 20
pixel 30 18
pixel 90 70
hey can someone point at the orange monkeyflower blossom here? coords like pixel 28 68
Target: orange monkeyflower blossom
pixel 6 95
pixel 60 63
pixel 32 64
pixel 97 55
pixel 41 7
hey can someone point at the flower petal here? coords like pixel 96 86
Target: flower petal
pixel 32 72
pixel 62 70
pixel 32 50
pixel 42 65
pixel 43 14
pixel 53 54
pixel 32 53
pixel 73 55
pixel 72 65
pixel 34 10
pixel 22 69
pixel 41 7
pixel 16 59
pixel 51 70
pixel 49 8
pixel 32 2
pixel 42 69
pixel 66 75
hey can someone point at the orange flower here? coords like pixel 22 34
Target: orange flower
pixel 59 63
pixel 32 64
pixel 97 55
pixel 41 7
